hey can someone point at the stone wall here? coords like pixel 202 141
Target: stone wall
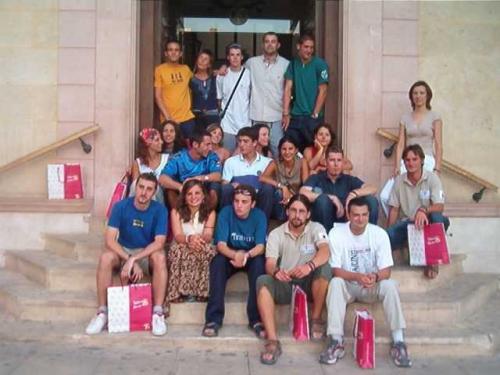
pixel 460 58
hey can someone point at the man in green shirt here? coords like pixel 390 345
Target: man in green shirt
pixel 306 81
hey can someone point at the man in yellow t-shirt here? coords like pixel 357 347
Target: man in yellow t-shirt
pixel 172 95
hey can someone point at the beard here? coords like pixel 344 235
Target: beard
pixel 297 223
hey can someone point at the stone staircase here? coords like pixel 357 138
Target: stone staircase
pixel 56 286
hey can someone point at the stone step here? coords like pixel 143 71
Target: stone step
pixel 51 270
pixel 448 304
pixel 454 342
pixel 78 246
pixel 26 300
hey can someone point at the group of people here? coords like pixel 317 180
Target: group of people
pixel 234 152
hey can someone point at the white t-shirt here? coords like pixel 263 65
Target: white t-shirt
pixel 237 166
pixel 366 253
pixel 237 115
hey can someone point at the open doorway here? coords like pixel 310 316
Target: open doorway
pixel 213 24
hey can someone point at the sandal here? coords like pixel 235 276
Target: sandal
pixel 210 330
pixel 258 329
pixel 431 272
pixel 272 349
pixel 317 329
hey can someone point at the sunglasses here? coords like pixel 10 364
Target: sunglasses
pixel 243 192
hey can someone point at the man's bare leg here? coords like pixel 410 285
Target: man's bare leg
pixel 319 288
pixel 265 304
pixel 104 277
pixel 159 277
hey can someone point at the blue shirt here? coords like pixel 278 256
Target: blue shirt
pixel 137 229
pixel 181 166
pixel 341 188
pixel 241 234
pixel 204 94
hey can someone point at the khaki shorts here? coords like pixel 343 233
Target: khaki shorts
pixel 282 291
pixel 143 262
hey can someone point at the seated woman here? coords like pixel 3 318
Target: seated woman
pixel 150 159
pixel 172 139
pixel 315 155
pixel 191 250
pixel 217 137
pixel 286 174
pixel 262 140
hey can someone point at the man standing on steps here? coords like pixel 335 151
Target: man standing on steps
pixel 361 260
pixel 296 254
pixel 418 197
pixel 134 240
pixel 235 82
pixel 267 73
pixel 307 83
pixel 240 236
pixel 172 94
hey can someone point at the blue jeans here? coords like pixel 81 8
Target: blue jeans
pixel 265 195
pixel 220 271
pixel 187 128
pixel 279 210
pixel 325 212
pixel 398 232
pixel 301 130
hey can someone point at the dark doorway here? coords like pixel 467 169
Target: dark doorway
pixel 213 24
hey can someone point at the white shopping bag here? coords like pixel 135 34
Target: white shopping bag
pixel 55 181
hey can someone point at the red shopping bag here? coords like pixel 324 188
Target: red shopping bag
pixel 299 321
pixel 119 193
pixel 364 339
pixel 73 188
pixel 428 246
pixel 129 308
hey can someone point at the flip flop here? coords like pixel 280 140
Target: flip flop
pixel 431 272
pixel 272 348
pixel 317 329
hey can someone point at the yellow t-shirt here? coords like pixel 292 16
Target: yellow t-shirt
pixel 173 79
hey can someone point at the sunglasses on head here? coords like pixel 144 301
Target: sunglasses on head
pixel 243 192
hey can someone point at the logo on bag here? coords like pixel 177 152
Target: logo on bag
pixel 434 240
pixel 140 303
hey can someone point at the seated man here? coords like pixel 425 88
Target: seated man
pixel 197 162
pixel 246 168
pixel 240 236
pixel 296 254
pixel 331 190
pixel 135 240
pixel 417 197
pixel 361 261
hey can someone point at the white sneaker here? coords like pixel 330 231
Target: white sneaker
pixel 97 324
pixel 159 325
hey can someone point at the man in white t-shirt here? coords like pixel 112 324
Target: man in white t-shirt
pixel 361 261
pixel 235 115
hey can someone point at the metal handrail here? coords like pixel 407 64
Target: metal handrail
pixel 53 146
pixel 446 165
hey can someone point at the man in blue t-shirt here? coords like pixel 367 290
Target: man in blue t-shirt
pixel 197 162
pixel 134 240
pixel 307 82
pixel 240 236
pixel 331 190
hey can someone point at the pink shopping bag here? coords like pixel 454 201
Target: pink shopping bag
pixel 299 320
pixel 130 308
pixel 119 193
pixel 428 246
pixel 364 339
pixel 73 187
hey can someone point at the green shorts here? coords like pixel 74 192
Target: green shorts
pixel 282 291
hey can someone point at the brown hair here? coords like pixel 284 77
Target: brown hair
pixel 182 207
pixel 427 90
pixel 178 141
pixel 333 150
pixel 416 149
pixel 211 58
pixel 305 37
